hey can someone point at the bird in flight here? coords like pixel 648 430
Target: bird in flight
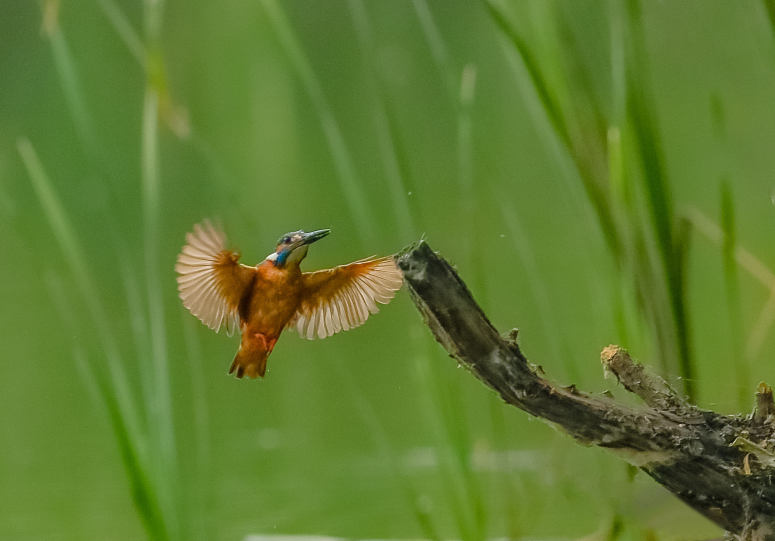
pixel 263 300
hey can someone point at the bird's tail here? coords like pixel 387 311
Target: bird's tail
pixel 251 357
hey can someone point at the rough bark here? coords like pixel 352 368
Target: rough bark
pixel 722 466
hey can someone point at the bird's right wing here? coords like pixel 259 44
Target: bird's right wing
pixel 342 298
pixel 211 281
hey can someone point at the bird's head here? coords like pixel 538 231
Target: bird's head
pixel 292 247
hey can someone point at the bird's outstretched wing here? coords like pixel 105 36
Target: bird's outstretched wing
pixel 342 298
pixel 211 282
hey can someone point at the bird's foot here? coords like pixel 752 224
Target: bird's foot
pixel 268 343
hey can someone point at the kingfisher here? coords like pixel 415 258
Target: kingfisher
pixel 263 300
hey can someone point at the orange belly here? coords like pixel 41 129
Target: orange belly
pixel 275 298
pixel 273 302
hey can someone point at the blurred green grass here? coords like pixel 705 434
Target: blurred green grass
pixel 552 150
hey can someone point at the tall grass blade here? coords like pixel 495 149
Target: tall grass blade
pixel 560 129
pixel 531 64
pixel 390 145
pixel 753 266
pixel 461 87
pixel 620 196
pixel 141 488
pixel 465 497
pixel 524 251
pixel 629 293
pixel 112 388
pixel 512 487
pixel 649 153
pixel 729 247
pixel 101 392
pixel 744 258
pixel 465 166
pixel 65 66
pixel 371 420
pixel 576 129
pixel 731 286
pixel 682 236
pixel 76 261
pixel 398 171
pixel 202 523
pixel 124 29
pixel 389 149
pixel 579 125
pixel 452 475
pixel 161 419
pixel 348 178
pixel 437 47
pixel 157 375
pixel 156 323
pixel 136 309
pixel 404 222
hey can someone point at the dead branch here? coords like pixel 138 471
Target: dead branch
pixel 722 466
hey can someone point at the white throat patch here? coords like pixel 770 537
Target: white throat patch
pixel 272 257
pixel 297 255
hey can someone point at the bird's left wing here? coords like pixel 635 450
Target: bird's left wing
pixel 342 298
pixel 211 281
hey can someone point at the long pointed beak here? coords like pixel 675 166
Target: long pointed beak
pixel 309 238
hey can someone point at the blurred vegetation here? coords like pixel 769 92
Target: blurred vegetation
pixel 599 171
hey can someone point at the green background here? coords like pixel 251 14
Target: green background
pixel 386 122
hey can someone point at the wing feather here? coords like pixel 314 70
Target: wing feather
pixel 211 281
pixel 336 318
pixel 342 298
pixel 329 326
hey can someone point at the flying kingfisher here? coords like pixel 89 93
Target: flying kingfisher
pixel 263 300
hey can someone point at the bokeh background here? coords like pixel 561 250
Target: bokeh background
pixel 599 172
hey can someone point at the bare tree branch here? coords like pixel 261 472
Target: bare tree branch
pixel 722 466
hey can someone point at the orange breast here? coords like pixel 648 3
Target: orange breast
pixel 275 298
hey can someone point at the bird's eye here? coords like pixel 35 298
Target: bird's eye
pixel 286 240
